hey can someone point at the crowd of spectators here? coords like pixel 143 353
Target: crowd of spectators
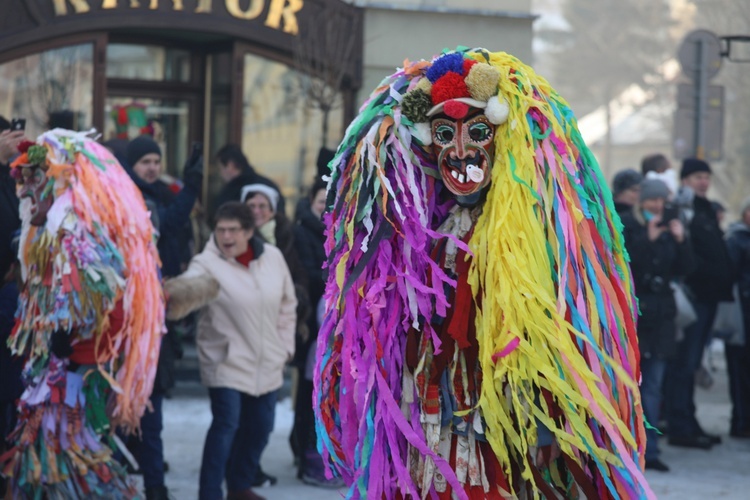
pixel 684 269
pixel 258 281
pixel 259 321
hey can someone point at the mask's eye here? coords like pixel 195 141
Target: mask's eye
pixel 480 132
pixel 444 134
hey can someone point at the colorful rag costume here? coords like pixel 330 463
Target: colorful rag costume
pixel 89 321
pixel 480 310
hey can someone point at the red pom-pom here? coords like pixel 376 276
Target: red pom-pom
pixel 456 109
pixel 449 86
pixel 24 146
pixel 122 116
pixel 468 63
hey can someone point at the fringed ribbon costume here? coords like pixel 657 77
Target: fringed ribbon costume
pixel 479 339
pixel 89 322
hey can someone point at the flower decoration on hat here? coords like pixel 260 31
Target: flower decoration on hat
pixel 453 84
pixel 31 154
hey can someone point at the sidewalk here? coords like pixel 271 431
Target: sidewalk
pixel 696 474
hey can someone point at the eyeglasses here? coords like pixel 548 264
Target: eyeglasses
pixel 227 230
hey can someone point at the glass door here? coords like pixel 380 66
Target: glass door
pixel 166 120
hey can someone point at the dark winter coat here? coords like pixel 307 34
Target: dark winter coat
pixel 173 218
pixel 622 208
pixel 233 190
pixel 309 233
pixel 9 220
pixel 10 366
pixel 738 246
pixel 711 279
pixel 173 211
pixel 654 265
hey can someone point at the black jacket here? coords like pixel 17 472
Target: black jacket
pixel 711 279
pixel 173 219
pixel 233 190
pixel 654 265
pixel 173 213
pixel 310 235
pixel 10 366
pixel 9 220
pixel 738 246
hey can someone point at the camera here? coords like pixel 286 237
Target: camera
pixel 670 213
pixel 18 124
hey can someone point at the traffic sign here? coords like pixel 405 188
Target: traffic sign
pixel 712 122
pixel 700 51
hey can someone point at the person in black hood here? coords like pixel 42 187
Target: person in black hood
pixel 310 237
pixel 173 219
pixel 625 189
pixel 659 252
pixel 737 348
pixel 237 173
pixel 709 283
pixel 10 366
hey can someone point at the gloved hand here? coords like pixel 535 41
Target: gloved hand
pixel 192 174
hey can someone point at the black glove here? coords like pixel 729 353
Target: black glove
pixel 60 344
pixel 192 174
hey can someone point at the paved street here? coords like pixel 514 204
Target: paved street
pixel 719 473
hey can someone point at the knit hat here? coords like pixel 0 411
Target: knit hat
pixel 693 165
pixel 625 179
pixel 745 206
pixel 140 147
pixel 267 191
pixel 653 188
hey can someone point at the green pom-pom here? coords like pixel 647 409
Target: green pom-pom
pixel 415 105
pixel 36 154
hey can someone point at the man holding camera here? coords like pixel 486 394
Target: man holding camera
pixel 709 283
pixel 660 252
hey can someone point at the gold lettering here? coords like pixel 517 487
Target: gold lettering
pixel 253 10
pixel 176 4
pixel 79 6
pixel 204 6
pixel 286 9
pixel 112 4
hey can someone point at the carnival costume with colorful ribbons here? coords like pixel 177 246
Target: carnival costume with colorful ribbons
pixel 91 281
pixel 454 336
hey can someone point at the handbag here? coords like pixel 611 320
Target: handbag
pixel 729 324
pixel 685 312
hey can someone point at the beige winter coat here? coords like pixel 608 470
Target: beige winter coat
pixel 246 335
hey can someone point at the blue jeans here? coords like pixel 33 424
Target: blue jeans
pixel 652 378
pixel 150 451
pixel 680 383
pixel 238 435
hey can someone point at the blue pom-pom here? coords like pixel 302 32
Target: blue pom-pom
pixel 443 64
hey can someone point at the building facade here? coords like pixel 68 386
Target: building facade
pixel 211 71
pixel 279 77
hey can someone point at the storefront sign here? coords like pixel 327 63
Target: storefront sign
pixel 280 15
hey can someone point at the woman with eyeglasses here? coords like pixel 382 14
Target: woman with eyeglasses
pixel 245 337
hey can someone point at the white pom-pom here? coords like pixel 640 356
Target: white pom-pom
pixel 497 110
pixel 423 133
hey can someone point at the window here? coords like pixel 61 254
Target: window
pixel 147 62
pixel 282 129
pixel 52 88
